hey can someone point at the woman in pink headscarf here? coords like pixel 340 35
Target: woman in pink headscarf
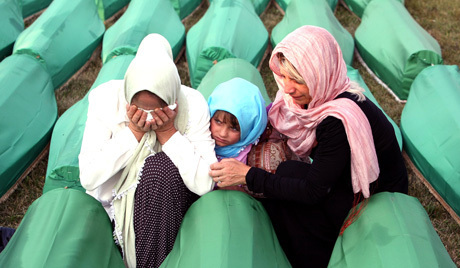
pixel 326 118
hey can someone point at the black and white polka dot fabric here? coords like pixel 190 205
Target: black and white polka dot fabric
pixel 161 201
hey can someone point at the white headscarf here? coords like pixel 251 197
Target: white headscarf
pixel 152 69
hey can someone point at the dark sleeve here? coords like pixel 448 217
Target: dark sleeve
pixel 331 163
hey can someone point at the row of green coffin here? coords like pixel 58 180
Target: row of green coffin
pixel 13 12
pixel 393 45
pixel 12 15
pixel 68 228
pixel 402 51
pixel 45 55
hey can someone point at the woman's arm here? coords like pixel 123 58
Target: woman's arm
pixel 107 142
pixel 193 152
pixel 330 164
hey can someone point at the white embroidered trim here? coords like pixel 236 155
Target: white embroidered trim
pixel 117 233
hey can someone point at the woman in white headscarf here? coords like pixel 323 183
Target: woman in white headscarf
pixel 145 160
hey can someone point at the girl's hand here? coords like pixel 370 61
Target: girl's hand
pixel 229 172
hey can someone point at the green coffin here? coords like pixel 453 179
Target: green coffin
pixel 317 13
pixel 141 18
pixel 63 228
pixel 228 29
pixel 29 111
pixel 393 231
pixel 358 6
pixel 394 46
pixel 184 8
pixel 30 7
pixel 430 125
pixel 63 168
pixel 12 25
pixel 354 75
pixel 226 228
pixel 259 5
pixel 107 8
pixel 228 69
pixel 64 37
pixel 285 3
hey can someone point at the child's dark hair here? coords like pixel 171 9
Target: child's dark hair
pixel 228 117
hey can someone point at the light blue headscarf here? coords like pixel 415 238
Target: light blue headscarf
pixel 242 99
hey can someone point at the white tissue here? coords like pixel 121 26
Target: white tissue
pixel 149 117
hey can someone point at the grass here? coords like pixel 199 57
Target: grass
pixel 438 17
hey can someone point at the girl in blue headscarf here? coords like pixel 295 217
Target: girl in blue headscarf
pixel 238 118
pixel 230 228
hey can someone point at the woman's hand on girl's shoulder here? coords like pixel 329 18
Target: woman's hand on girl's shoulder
pixel 229 172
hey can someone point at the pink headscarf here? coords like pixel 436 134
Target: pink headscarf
pixel 315 54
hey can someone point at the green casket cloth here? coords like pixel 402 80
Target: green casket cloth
pixel 285 3
pixel 228 29
pixel 394 46
pixel 63 228
pixel 226 228
pixel 230 68
pixel 358 6
pixel 12 25
pixel 316 13
pixel 393 230
pixel 354 75
pixel 140 19
pixel 259 5
pixel 30 7
pixel 107 8
pixel 26 91
pixel 430 125
pixel 63 168
pixel 64 37
pixel 184 8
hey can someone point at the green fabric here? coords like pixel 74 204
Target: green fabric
pixel 63 228
pixel 30 7
pixel 316 13
pixel 12 25
pixel 394 46
pixel 107 8
pixel 141 18
pixel 393 230
pixel 259 5
pixel 354 75
pixel 285 3
pixel 26 91
pixel 64 37
pixel 358 6
pixel 228 29
pixel 184 8
pixel 226 228
pixel 430 125
pixel 63 168
pixel 228 69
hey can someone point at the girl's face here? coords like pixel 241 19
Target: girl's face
pixel 299 92
pixel 223 133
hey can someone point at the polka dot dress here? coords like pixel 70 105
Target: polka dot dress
pixel 161 201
